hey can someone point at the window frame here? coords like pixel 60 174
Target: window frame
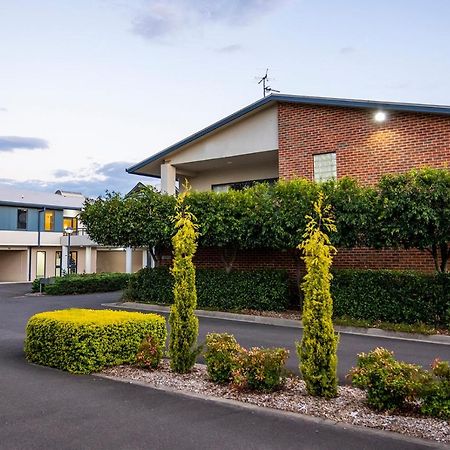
pixel 52 221
pixel 316 172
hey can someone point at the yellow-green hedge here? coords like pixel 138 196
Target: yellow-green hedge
pixel 86 340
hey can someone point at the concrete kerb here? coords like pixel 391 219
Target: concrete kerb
pixel 275 321
pixel 267 410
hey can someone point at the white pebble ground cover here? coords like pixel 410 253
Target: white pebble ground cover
pixel 350 407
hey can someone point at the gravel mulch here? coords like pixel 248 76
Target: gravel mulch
pixel 349 407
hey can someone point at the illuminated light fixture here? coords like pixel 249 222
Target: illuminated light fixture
pixel 380 116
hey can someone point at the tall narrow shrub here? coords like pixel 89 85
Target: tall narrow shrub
pixel 317 350
pixel 183 322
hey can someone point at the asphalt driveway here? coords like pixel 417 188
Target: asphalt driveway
pixel 43 408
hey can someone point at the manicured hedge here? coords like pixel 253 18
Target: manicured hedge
pixel 260 289
pixel 85 340
pixel 392 296
pixel 84 284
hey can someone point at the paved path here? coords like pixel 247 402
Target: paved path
pixel 43 408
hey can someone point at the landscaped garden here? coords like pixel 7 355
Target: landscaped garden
pixel 386 393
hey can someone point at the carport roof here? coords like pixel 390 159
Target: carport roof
pixel 21 197
pixel 298 99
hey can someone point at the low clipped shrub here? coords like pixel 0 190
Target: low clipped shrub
pixel 84 283
pixel 393 385
pixel 436 393
pixel 150 353
pixel 220 356
pixel 392 296
pixel 85 340
pixel 216 289
pixel 260 369
pixel 390 384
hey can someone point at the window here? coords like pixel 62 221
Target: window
pixel 71 222
pixel 40 264
pixel 325 167
pixel 73 263
pixel 22 219
pixel 240 185
pixel 49 221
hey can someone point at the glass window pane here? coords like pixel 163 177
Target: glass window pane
pixel 325 167
pixel 22 219
pixel 49 220
pixel 40 264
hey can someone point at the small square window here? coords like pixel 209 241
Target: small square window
pixel 325 167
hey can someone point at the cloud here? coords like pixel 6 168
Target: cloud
pixel 230 48
pixel 111 177
pixel 347 50
pixel 160 18
pixel 3 109
pixel 10 143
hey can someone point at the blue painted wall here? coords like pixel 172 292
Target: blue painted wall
pixel 8 219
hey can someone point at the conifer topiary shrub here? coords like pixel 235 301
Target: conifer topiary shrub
pixel 86 340
pixel 183 322
pixel 317 350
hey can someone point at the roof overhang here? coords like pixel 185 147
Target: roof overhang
pixel 153 162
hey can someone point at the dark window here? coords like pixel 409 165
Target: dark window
pixel 22 219
pixel 240 185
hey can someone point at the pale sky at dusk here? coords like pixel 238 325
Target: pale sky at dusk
pixel 88 88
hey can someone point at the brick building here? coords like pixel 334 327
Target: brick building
pixel 286 136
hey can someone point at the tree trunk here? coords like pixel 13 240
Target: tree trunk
pixel 434 254
pixel 228 257
pixel 444 257
pixel 156 255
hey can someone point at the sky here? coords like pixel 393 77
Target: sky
pixel 90 87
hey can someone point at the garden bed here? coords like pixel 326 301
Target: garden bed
pixel 350 407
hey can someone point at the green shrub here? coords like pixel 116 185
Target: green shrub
pixel 390 384
pixel 392 296
pixel 260 289
pixel 183 322
pixel 220 356
pixel 150 353
pixel 317 351
pixel 260 369
pixel 85 284
pixel 85 341
pixel 436 393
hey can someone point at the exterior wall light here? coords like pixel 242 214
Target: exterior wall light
pixel 380 116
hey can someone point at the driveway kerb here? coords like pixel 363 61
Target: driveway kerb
pixel 375 332
pixel 261 409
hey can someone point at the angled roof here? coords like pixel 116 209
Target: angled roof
pixel 33 199
pixel 299 99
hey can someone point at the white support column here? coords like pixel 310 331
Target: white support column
pixel 64 251
pixel 144 258
pixel 88 260
pixel 128 260
pixel 168 178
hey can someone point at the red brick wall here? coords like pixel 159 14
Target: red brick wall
pixel 364 149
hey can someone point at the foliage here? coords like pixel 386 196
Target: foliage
pixel 407 210
pixel 390 384
pixel 391 296
pixel 85 341
pixel 264 290
pixel 414 211
pixel 150 353
pixel 142 219
pixel 220 356
pixel 436 393
pixel 317 351
pixel 182 319
pixel 84 284
pixel 260 369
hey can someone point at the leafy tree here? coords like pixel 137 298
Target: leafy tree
pixel 317 350
pixel 183 322
pixel 414 212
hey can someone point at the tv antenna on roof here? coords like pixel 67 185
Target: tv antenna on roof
pixel 264 80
